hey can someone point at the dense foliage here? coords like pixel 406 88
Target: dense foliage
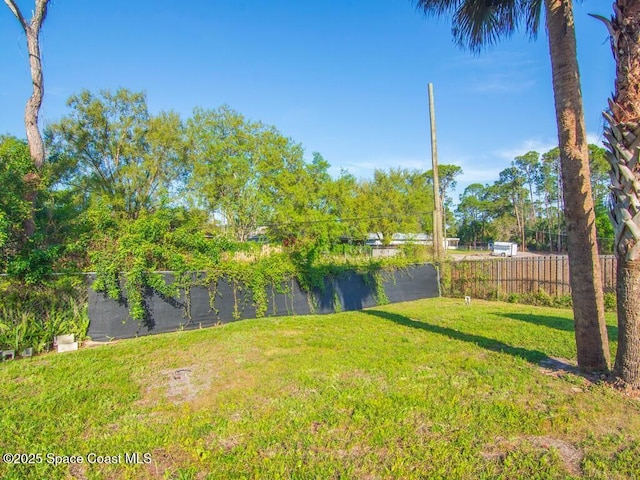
pixel 118 177
pixel 15 164
pixel 31 318
pixel 126 193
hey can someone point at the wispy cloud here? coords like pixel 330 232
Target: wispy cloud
pixel 539 145
pixel 365 168
pixel 498 72
pixel 536 145
pixel 507 82
pixel 479 175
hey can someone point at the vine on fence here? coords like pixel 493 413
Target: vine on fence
pixel 131 273
pixel 129 255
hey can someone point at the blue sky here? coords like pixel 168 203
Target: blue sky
pixel 344 78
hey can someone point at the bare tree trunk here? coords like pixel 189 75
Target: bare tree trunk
pixel 548 215
pixel 34 138
pixel 523 229
pixel 623 140
pixel 584 265
pixel 519 222
pixel 534 213
pixel 559 209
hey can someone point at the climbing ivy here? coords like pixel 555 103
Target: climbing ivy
pixel 129 257
pixel 375 280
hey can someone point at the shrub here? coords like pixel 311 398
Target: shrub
pixel 33 316
pixel 610 302
pixel 540 298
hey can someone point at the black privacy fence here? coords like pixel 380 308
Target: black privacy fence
pixel 226 300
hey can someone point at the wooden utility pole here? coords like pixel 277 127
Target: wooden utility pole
pixel 438 241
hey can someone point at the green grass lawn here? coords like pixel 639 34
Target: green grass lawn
pixel 426 389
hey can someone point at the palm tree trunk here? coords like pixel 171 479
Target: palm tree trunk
pixel 584 265
pixel 623 140
pixel 627 366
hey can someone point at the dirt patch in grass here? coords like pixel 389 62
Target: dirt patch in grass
pixel 621 387
pixel 571 456
pixel 560 367
pixel 224 443
pixel 178 385
pixel 191 377
pixel 351 454
pixel 78 471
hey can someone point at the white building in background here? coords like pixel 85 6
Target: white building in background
pixel 397 239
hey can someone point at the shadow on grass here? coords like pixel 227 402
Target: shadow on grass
pixel 558 323
pixel 532 356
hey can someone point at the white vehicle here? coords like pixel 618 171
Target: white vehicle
pixel 505 249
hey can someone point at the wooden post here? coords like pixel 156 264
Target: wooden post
pixel 438 241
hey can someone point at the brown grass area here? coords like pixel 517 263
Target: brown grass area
pixel 571 456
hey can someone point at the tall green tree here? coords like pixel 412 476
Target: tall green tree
pixel 15 165
pixel 307 205
pixel 117 153
pixel 600 178
pixel 550 184
pixel 623 136
pixel 250 175
pixel 600 182
pixel 473 214
pixel 227 151
pixel 529 165
pixel 56 222
pixel 511 186
pixel 344 194
pixel 396 201
pixel 32 30
pixel 477 23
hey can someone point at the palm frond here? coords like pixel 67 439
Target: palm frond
pixel 532 10
pixel 437 7
pixel 478 23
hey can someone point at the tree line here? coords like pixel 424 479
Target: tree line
pixel 526 204
pixel 111 164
